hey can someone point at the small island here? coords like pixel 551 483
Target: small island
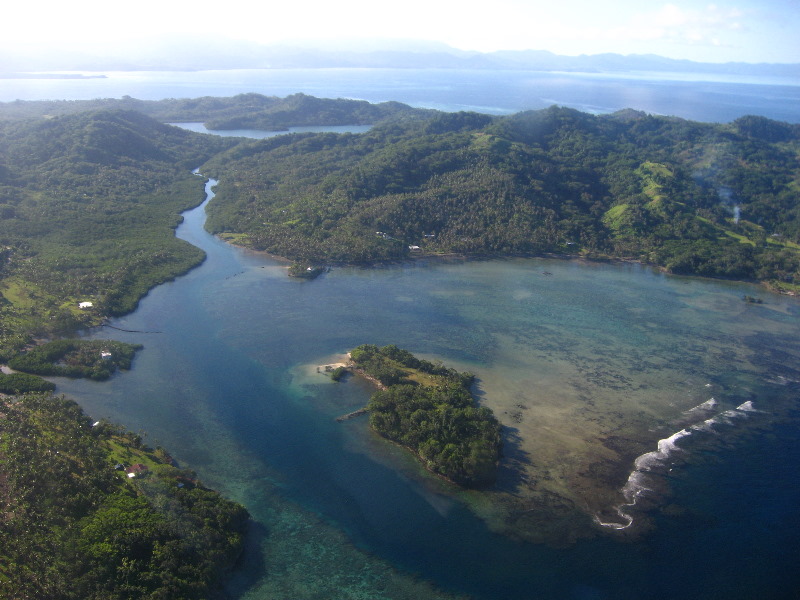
pixel 428 408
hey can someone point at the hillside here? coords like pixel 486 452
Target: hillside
pixel 88 205
pixel 88 512
pixel 694 198
pixel 89 201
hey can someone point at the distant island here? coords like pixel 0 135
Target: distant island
pixel 196 53
pixel 428 408
pixel 243 111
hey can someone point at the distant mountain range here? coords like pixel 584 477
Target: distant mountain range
pixel 195 53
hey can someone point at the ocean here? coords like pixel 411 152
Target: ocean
pixel 701 98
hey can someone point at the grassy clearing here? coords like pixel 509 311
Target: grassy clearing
pixel 121 451
pixel 235 238
pixel 739 237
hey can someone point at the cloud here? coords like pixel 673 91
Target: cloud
pixel 680 28
pixel 672 23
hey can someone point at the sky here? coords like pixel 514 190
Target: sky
pixel 723 31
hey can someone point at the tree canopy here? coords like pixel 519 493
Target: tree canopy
pixel 429 409
pixel 74 524
pixel 95 359
pixel 88 207
pixel 695 198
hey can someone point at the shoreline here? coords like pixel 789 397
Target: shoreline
pixel 769 286
pixel 543 499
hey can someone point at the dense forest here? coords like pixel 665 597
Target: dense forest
pixel 88 512
pixel 88 207
pixel 94 359
pixel 694 198
pixel 429 409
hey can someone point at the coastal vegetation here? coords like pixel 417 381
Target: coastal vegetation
pixel 338 373
pixel 88 207
pixel 694 198
pixel 428 408
pixel 89 200
pixel 19 383
pixel 305 270
pixel 95 359
pixel 89 512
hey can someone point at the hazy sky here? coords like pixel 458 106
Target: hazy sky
pixel 735 30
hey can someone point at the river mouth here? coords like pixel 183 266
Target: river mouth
pixel 587 368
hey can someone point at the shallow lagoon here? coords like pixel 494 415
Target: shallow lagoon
pixel 587 365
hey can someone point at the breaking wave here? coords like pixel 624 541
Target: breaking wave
pixel 641 480
pixel 708 405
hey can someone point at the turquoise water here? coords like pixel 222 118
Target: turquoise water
pixel 605 359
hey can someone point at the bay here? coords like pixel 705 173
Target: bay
pixel 707 98
pixel 605 359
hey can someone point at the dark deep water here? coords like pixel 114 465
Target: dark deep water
pixel 227 389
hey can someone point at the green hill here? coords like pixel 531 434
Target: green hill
pixel 89 200
pixel 88 207
pixel 695 198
